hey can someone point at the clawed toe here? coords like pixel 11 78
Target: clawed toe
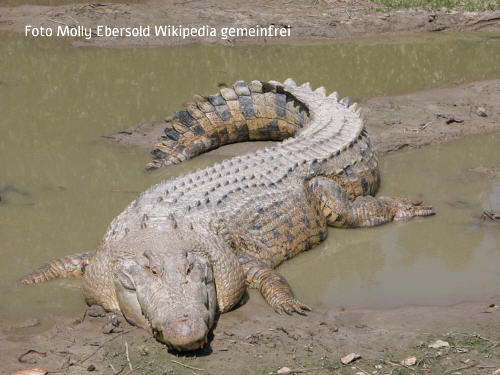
pixel 406 208
pixel 408 212
pixel 290 306
pixel 419 210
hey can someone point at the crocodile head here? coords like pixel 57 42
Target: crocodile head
pixel 166 285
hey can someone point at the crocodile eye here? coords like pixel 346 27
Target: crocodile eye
pixel 155 271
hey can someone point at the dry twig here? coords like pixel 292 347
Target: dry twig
pixel 401 365
pixel 303 370
pixel 128 357
pixel 187 366
pixel 472 364
pixel 78 363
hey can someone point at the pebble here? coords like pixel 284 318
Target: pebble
pixel 439 344
pixel 410 361
pixel 283 370
pixel 350 358
pixel 481 111
pixel 31 371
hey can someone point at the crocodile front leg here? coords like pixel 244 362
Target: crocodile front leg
pixel 364 211
pixel 273 287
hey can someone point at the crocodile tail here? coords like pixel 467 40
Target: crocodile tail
pixel 65 267
pixel 255 111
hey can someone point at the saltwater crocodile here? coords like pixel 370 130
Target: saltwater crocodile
pixel 190 246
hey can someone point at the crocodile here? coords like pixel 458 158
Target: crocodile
pixel 188 248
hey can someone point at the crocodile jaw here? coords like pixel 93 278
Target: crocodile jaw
pixel 169 292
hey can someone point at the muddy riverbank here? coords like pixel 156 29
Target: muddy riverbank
pixel 308 20
pixel 254 340
pixel 413 120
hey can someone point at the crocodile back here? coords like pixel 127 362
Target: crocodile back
pixel 324 136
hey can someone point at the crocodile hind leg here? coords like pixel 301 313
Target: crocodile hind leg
pixel 65 267
pixel 273 287
pixel 363 211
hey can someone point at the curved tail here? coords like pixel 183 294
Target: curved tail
pixel 255 111
pixel 65 267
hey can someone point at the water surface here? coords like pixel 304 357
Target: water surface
pixel 443 259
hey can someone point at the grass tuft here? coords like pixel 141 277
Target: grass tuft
pixel 465 5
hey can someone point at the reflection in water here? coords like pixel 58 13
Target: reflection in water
pixel 444 259
pixel 56 101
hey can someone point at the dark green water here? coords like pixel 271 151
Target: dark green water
pixel 61 185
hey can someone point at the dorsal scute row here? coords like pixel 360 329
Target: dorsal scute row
pixel 333 127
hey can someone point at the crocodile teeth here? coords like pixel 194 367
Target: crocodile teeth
pixel 290 82
pixel 321 90
pixel 334 95
pixel 345 101
pixel 354 107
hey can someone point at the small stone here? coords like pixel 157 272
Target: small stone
pixel 350 358
pixel 481 112
pixel 91 368
pixel 283 370
pixel 439 344
pixel 378 367
pixel 410 361
pixel 31 371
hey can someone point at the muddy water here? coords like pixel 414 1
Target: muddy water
pixel 61 185
pixel 444 259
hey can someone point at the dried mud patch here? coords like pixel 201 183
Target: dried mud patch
pixel 309 20
pixel 254 340
pixel 433 117
pixel 413 120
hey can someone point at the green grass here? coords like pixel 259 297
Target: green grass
pixel 467 5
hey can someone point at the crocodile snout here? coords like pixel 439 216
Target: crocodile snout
pixel 183 333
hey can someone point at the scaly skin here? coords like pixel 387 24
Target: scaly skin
pixel 197 241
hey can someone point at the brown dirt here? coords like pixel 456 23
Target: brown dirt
pixel 324 19
pixel 254 340
pixel 413 120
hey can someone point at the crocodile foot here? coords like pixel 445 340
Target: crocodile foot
pixel 289 305
pixel 273 287
pixel 406 209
